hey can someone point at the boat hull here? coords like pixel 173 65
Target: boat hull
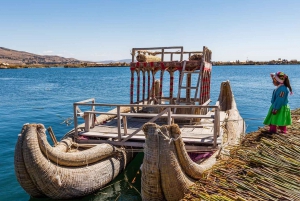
pixel 40 175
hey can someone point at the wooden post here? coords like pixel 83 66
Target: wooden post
pixel 188 90
pixel 131 86
pixel 218 116
pixel 125 124
pixel 119 123
pixel 171 86
pixel 216 125
pixel 144 84
pixel 133 54
pixel 181 56
pixel 138 87
pixel 148 85
pixel 52 135
pixel 93 116
pixel 169 116
pixel 161 85
pixel 75 119
pixel 86 117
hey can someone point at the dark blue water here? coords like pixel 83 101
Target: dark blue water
pixel 46 96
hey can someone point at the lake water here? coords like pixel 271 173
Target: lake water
pixel 46 96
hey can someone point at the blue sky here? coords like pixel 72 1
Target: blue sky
pixel 97 30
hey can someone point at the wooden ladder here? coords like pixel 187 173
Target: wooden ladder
pixel 185 73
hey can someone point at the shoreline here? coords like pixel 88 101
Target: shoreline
pixel 92 65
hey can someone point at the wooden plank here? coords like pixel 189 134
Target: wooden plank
pixel 209 140
pixel 49 129
pixel 116 143
pixel 151 120
pixel 198 126
pixel 125 125
pixel 119 123
pixel 141 105
pixel 152 115
pixel 110 135
pixel 196 140
pixel 87 122
pixel 190 148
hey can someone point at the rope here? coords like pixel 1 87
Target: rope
pixel 86 160
pixel 157 130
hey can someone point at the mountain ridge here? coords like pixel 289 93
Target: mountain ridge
pixel 11 56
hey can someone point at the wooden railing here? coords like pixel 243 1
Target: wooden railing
pixel 90 115
pixel 162 51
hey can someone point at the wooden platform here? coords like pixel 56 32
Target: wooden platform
pixel 197 137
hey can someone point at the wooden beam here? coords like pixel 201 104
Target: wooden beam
pixel 119 123
pixel 124 124
pixel 151 120
pixel 49 129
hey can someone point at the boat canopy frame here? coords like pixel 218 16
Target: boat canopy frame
pixel 140 69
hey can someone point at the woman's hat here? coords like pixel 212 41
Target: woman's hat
pixel 279 76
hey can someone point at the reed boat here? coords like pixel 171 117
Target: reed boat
pixel 176 129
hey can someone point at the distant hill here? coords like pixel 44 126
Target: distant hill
pixel 20 57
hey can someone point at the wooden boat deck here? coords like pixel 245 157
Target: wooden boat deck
pixel 197 137
pixel 148 104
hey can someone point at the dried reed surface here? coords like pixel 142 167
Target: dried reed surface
pixel 167 171
pixel 263 167
pixel 40 175
pixel 197 57
pixel 147 58
pixel 161 171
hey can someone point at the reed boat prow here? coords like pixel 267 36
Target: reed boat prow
pixel 167 164
pixel 43 170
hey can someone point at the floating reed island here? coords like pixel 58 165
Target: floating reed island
pixel 263 167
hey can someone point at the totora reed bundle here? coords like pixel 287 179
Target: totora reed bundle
pixel 43 170
pixel 166 164
pixel 147 58
pixel 197 57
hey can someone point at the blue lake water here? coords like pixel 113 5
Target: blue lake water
pixel 46 96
